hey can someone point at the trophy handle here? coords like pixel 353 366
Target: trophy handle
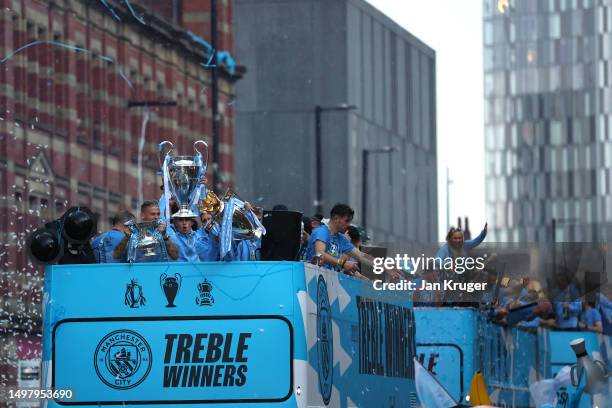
pixel 604 368
pixel 162 278
pixel 160 152
pixel 195 146
pixel 179 278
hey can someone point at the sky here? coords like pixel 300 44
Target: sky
pixel 454 30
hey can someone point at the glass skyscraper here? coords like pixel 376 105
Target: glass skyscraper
pixel 548 113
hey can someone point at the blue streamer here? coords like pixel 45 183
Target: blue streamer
pixel 139 18
pixel 111 9
pixel 229 61
pixel 69 47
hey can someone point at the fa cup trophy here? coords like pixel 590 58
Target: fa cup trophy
pixel 144 238
pixel 182 176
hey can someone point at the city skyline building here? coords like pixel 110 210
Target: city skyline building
pixel 375 83
pixel 547 78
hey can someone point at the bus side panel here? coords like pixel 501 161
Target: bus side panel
pixel 360 343
pixel 509 363
pixel 447 347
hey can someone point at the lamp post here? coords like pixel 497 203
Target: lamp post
pixel 555 221
pixel 364 179
pixel 318 148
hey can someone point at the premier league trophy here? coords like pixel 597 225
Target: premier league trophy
pixel 182 176
pixel 244 223
pixel 231 220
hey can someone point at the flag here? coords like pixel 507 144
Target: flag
pixel 544 392
pixel 479 395
pixel 429 390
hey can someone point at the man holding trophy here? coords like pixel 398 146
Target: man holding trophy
pixel 104 244
pixel 207 241
pixel 147 241
pixel 182 234
pixel 229 225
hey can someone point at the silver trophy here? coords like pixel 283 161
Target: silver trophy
pixel 146 240
pixel 243 226
pixel 184 178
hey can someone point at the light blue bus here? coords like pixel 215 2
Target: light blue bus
pixel 455 342
pixel 256 334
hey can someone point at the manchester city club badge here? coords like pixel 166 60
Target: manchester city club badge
pixel 123 359
pixel 325 341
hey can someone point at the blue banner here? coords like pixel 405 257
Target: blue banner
pixel 237 334
pixel 155 360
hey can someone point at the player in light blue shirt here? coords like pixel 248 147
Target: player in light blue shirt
pixel 167 250
pixel 605 308
pixel 591 318
pixel 184 237
pixel 330 248
pixel 104 244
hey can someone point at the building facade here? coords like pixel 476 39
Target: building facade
pixel 548 106
pixel 304 53
pixel 67 136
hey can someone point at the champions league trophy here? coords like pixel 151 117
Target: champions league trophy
pixel 170 286
pixel 182 177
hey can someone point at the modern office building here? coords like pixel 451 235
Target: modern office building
pixel 300 54
pixel 548 106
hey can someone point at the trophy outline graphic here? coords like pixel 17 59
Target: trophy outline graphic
pixel 133 294
pixel 170 286
pixel 205 298
pixel 182 175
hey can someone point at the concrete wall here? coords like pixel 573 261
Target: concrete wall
pixel 300 53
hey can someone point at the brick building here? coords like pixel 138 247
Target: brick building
pixel 67 136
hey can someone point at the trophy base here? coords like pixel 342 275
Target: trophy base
pixel 170 305
pixel 184 213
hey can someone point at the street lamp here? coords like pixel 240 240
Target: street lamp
pixel 318 148
pixel 364 178
pixel 555 221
